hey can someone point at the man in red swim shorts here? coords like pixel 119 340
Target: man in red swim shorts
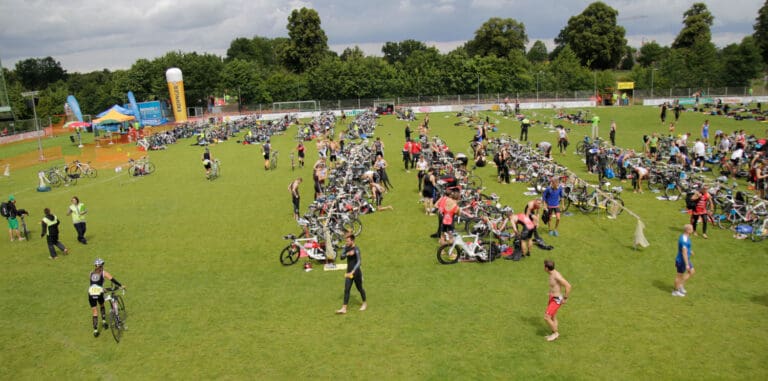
pixel 556 297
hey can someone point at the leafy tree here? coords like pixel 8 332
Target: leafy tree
pixel 498 37
pixel 308 43
pixel 628 61
pixel 400 51
pixel 38 73
pixel 595 37
pixel 244 78
pixel 283 85
pixel 241 48
pixel 651 52
pixel 761 31
pixel 741 62
pixel 566 73
pixel 697 21
pixel 538 52
pixel 422 73
pixel 352 53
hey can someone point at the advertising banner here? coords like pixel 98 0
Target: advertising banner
pixel 151 113
pixel 176 89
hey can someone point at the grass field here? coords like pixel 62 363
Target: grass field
pixel 208 298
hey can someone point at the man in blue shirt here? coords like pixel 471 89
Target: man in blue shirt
pixel 683 261
pixel 552 196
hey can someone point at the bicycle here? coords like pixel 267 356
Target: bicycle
pixel 24 230
pixel 78 170
pixel 603 200
pixel 273 160
pixel 215 170
pixel 117 313
pixel 58 175
pixel 450 253
pixel 140 167
pixel 310 246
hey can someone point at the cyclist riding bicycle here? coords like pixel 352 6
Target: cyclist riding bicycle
pixel 96 293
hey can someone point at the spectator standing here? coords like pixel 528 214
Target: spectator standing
pixel 78 211
pixel 562 140
pixel 612 133
pixel 552 197
pixel 13 221
pixel 705 131
pixel 524 125
pixel 556 297
pixel 293 187
pixel 354 274
pixel 701 211
pixel 683 262
pixel 595 126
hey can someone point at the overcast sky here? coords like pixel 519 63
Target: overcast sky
pixel 87 35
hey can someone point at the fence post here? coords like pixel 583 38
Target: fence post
pixel 459 99
pixel 726 91
pixel 358 103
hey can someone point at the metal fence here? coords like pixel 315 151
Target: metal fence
pixel 541 96
pixel 18 126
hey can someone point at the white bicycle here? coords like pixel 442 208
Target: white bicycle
pixel 465 247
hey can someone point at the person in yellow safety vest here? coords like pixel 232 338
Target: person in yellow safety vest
pixel 50 228
pixel 624 99
pixel 524 125
pixel 77 211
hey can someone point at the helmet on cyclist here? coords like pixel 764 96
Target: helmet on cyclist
pixel 98 262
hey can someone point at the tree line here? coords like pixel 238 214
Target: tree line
pixel 589 49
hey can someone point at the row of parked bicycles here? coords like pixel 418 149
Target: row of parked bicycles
pixel 346 196
pixel 68 174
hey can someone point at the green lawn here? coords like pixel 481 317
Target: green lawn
pixel 208 298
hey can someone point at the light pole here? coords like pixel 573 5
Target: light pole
pixel 537 85
pixel 652 70
pixel 33 95
pixel 594 74
pixel 478 88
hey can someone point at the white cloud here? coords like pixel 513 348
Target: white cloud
pixel 91 34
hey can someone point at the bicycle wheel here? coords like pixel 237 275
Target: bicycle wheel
pixel 273 162
pixel 491 251
pixel 654 182
pixel 91 173
pixel 74 171
pixel 759 230
pixel 353 225
pixel 672 190
pixel 149 167
pixel 114 323
pixel 55 180
pixel 69 180
pixel 615 203
pixel 726 221
pixel 580 148
pixel 474 181
pixel 24 230
pixel 448 254
pixel 587 203
pixel 289 255
pixel 122 313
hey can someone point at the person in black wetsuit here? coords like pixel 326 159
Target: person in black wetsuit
pixel 354 274
pixel 96 293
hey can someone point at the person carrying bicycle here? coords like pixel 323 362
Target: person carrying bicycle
pixel 11 213
pixel 266 148
pixel 96 293
pixel 207 161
